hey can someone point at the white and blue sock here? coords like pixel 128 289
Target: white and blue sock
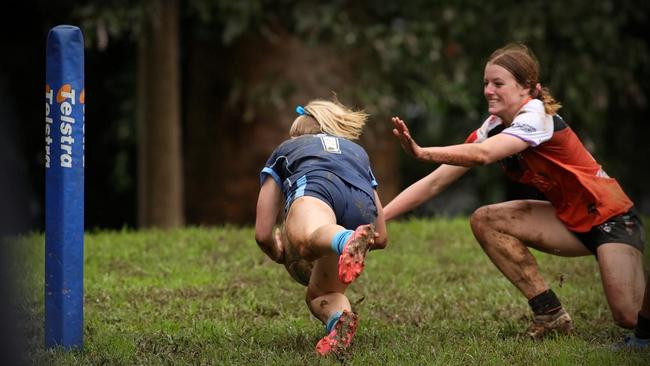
pixel 331 322
pixel 339 240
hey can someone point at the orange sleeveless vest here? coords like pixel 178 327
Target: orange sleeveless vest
pixel 565 172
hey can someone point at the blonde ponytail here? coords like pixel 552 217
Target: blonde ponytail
pixel 551 106
pixel 332 117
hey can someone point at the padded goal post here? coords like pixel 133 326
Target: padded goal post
pixel 64 187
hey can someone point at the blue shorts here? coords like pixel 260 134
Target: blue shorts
pixel 352 206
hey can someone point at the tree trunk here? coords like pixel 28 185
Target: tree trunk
pixel 160 182
pixel 240 107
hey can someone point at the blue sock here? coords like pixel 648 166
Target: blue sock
pixel 332 321
pixel 339 240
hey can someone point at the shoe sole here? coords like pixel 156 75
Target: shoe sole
pixel 351 261
pixel 340 337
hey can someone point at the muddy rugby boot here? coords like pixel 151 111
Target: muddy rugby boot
pixel 632 343
pixel 354 253
pixel 339 339
pixel 559 322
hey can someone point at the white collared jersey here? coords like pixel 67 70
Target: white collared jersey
pixel 531 125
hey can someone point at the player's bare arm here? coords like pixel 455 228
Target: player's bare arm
pixel 268 208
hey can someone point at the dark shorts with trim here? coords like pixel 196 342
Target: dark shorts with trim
pixel 626 228
pixel 352 206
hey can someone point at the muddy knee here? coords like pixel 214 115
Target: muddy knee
pixel 479 219
pixel 499 217
pixel 306 252
pixel 625 319
pixel 482 221
pixel 304 249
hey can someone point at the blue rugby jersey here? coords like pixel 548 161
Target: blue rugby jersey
pixel 318 154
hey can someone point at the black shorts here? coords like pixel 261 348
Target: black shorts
pixel 626 228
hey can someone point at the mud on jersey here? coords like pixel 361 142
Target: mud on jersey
pixel 319 155
pixel 559 166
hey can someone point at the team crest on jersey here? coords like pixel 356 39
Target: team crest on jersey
pixel 330 144
pixel 524 127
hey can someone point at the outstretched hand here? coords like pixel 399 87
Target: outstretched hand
pixel 401 131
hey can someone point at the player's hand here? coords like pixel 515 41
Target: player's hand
pixel 401 131
pixel 376 244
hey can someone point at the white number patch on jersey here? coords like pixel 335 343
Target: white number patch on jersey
pixel 331 144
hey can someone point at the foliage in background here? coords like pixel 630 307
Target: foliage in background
pixel 425 59
pixel 422 60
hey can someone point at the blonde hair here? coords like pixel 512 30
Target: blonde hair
pixel 304 125
pixel 521 62
pixel 330 117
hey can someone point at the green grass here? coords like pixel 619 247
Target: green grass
pixel 210 296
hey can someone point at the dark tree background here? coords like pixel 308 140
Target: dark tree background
pixel 244 65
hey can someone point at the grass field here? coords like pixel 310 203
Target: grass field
pixel 209 296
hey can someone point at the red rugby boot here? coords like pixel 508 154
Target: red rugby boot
pixel 340 337
pixel 354 253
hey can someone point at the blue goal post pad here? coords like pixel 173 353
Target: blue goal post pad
pixel 64 187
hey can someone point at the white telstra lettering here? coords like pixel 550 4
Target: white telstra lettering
pixel 66 127
pixel 49 97
pixel 68 95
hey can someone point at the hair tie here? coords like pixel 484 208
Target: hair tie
pixel 301 111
